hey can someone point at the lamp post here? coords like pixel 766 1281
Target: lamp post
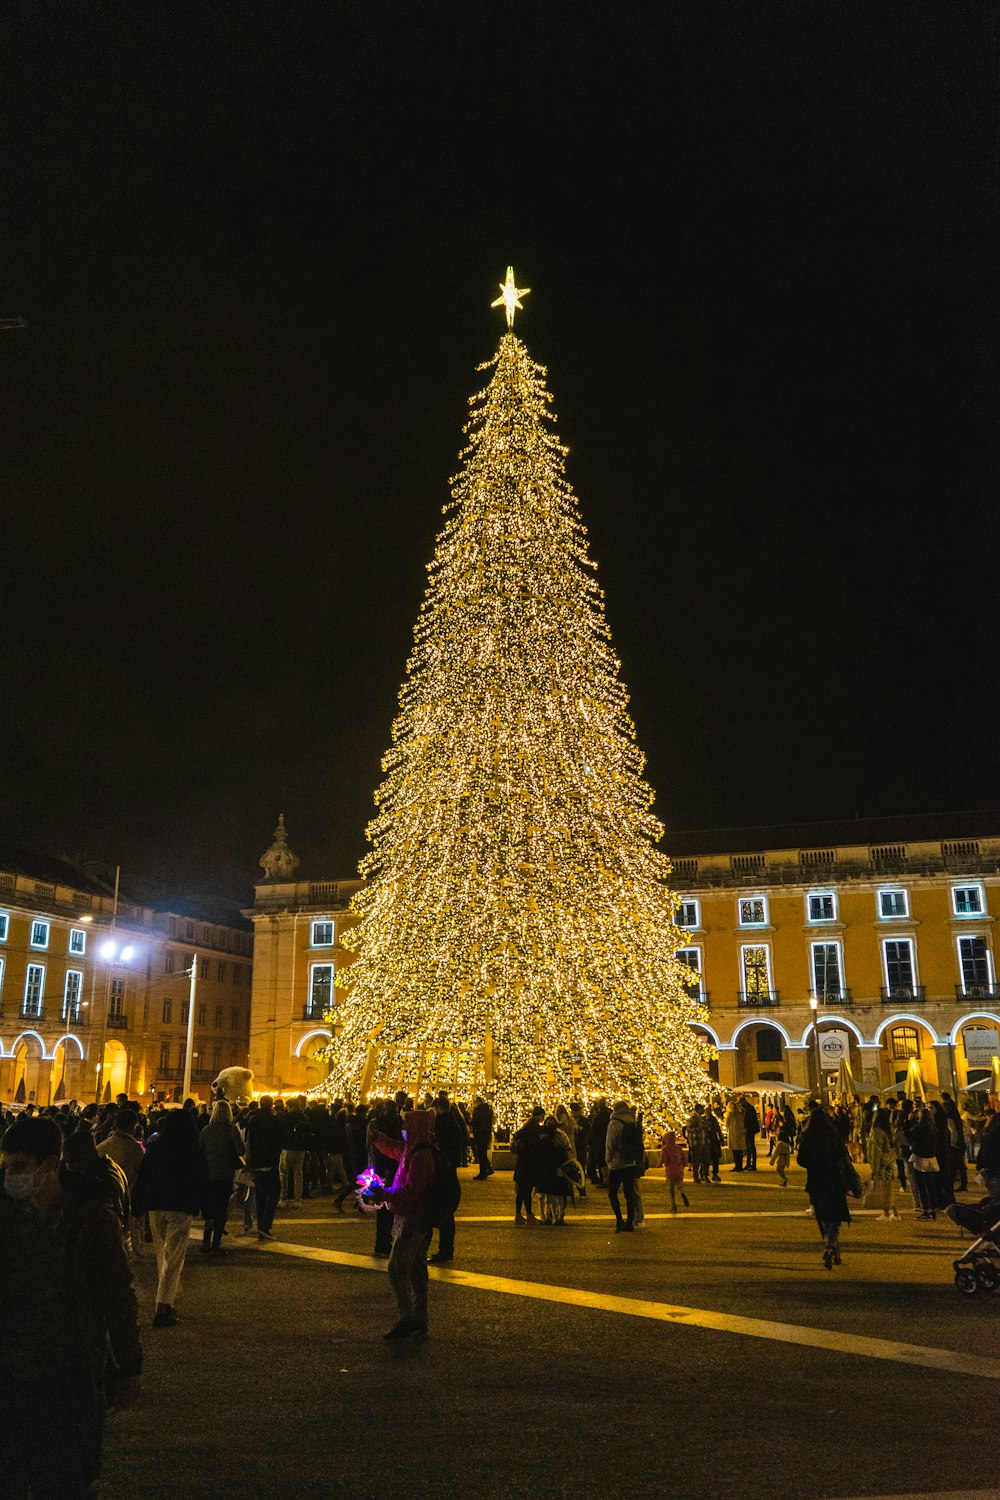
pixel 814 1007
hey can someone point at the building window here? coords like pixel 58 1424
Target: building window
pixel 899 969
pixel 968 900
pixel 39 934
pixel 189 931
pixel 218 1018
pixel 691 957
pixel 203 969
pixel 320 990
pixel 322 934
pixel 827 982
pixel 1 978
pixel 117 1006
pixel 220 970
pixel 234 1018
pixel 216 1061
pixel 756 965
pixel 4 925
pixel 77 940
pixel 34 984
pixel 72 991
pixel 769 1045
pixel 168 962
pixel 893 904
pixel 203 1015
pixel 905 1043
pixel 821 906
pixel 185 1012
pixel 168 1012
pixel 688 914
pixel 753 911
pixel 164 1057
pixel 974 959
pixel 237 974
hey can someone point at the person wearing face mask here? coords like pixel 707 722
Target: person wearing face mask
pixel 68 1331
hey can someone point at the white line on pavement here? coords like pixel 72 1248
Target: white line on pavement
pixel 949 1360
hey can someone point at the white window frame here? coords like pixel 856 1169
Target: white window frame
pixel 314 942
pixel 819 895
pixel 826 943
pixel 969 916
pixel 689 926
pixel 893 890
pixel 37 922
pixel 697 969
pixel 31 969
pixel 2 965
pixel 744 949
pixel 77 941
pixel 67 1008
pixel 739 911
pixel 966 937
pixel 913 961
pixel 4 925
pixel 312 972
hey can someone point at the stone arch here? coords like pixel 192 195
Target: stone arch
pixel 309 1035
pixel 29 1082
pixel 825 1019
pixel 925 1044
pixel 906 1018
pixel 114 1074
pixel 67 1067
pixel 761 1048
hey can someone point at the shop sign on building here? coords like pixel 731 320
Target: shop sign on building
pixel 834 1048
pixel 981 1047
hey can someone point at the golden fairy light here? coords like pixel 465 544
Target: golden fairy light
pixel 516 934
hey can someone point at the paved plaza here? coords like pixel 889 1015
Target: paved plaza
pixel 711 1355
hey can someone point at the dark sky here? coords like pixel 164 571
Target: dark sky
pixel 256 245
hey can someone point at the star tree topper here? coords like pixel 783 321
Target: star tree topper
pixel 510 296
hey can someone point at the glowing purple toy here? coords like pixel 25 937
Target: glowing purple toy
pixel 369 1179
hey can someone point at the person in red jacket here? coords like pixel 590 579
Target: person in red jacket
pixel 411 1198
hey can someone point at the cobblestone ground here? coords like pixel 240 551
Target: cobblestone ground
pixel 711 1355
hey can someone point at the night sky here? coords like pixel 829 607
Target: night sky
pixel 256 246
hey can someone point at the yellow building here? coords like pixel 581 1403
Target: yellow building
pixel 298 926
pixel 94 989
pixel 870 940
pixel 877 935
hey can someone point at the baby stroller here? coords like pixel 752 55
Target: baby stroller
pixel 978 1270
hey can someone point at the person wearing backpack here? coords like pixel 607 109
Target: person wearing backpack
pixel 623 1148
pixel 412 1198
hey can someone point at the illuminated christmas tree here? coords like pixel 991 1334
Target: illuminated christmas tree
pixel 516 933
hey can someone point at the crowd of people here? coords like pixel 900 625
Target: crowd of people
pixel 85 1189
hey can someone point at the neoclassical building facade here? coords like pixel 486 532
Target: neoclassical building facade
pixel 868 940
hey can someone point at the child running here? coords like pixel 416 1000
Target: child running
pixel 673 1160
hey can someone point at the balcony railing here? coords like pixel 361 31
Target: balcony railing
pixel 833 997
pixel 315 1012
pixel 977 991
pixel 695 992
pixel 758 999
pixel 904 994
pixel 117 1022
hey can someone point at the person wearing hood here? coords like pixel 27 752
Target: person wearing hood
pixel 69 1341
pixel 673 1160
pixel 622 1157
pixel 411 1198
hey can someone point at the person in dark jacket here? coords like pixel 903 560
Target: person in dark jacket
pixel 170 1187
pixel 449 1137
pixel 297 1141
pixel 66 1304
pixel 525 1149
pixel 386 1121
pixel 751 1126
pixel 482 1137
pixel 988 1157
pixel 222 1148
pixel 828 1171
pixel 265 1140
pixel 600 1119
pixel 921 1134
pixel 411 1198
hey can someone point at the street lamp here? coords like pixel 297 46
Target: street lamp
pixel 814 1007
